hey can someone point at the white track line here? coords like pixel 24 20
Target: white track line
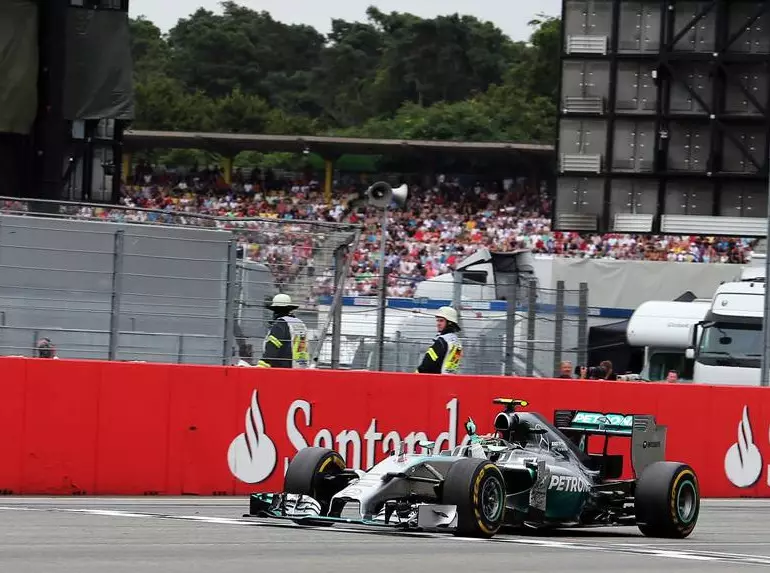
pixel 625 548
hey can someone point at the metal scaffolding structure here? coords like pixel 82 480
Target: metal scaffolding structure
pixel 664 119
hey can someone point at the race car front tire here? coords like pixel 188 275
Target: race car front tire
pixel 477 488
pixel 667 500
pixel 307 473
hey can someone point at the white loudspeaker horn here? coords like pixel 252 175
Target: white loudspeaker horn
pixel 381 195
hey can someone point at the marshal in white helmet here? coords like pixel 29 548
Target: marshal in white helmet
pixel 446 352
pixel 286 343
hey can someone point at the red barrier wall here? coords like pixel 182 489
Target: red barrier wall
pixel 71 427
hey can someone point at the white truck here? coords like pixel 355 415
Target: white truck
pixel 727 344
pixel 663 329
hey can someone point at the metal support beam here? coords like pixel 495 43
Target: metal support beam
pixel 761 11
pixel 765 368
pixel 719 81
pixel 609 149
pixel 50 127
pixel 713 116
pixel 117 161
pixel 692 23
pixel 736 81
pixel 662 107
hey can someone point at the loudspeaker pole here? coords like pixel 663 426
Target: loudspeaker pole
pixel 383 293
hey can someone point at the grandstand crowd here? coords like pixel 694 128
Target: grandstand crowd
pixel 441 224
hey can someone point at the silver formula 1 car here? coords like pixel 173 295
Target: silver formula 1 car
pixel 528 473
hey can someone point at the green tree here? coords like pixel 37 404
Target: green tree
pixel 149 49
pixel 537 69
pixel 343 80
pixel 241 49
pixel 397 75
pixel 446 59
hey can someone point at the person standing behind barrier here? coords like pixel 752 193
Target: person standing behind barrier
pixel 446 352
pixel 286 342
pixel 46 349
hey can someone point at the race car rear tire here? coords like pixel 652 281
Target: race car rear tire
pixel 307 470
pixel 667 500
pixel 477 488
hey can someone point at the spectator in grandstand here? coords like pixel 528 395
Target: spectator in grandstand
pixel 286 342
pixel 441 224
pixel 445 354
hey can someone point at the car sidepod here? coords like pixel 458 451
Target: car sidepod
pixel 568 492
pixel 541 492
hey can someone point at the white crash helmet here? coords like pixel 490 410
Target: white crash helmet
pixel 449 314
pixel 282 301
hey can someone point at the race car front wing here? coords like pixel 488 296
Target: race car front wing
pixel 304 510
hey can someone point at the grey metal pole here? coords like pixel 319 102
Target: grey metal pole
pixel 510 326
pixel 231 288
pixel 117 289
pixel 457 295
pixel 531 327
pixel 558 336
pixel 582 357
pixel 180 350
pixel 340 262
pixel 764 381
pixel 383 295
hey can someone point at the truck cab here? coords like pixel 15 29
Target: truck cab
pixel 727 345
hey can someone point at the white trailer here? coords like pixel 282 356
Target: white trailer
pixel 663 329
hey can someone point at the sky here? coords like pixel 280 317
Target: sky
pixel 510 16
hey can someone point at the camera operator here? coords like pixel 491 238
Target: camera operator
pixel 602 372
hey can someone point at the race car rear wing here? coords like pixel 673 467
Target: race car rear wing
pixel 648 440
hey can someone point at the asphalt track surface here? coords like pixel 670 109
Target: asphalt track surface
pixel 189 535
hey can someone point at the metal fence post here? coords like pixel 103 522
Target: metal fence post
pixel 230 294
pixel 558 339
pixel 457 295
pixel 340 267
pixel 531 323
pixel 482 366
pixel 180 349
pixel 397 343
pixel 510 326
pixel 583 325
pixel 117 290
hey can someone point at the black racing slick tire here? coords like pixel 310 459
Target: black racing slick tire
pixel 308 474
pixel 667 500
pixel 477 488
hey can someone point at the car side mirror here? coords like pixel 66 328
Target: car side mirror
pixel 689 353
